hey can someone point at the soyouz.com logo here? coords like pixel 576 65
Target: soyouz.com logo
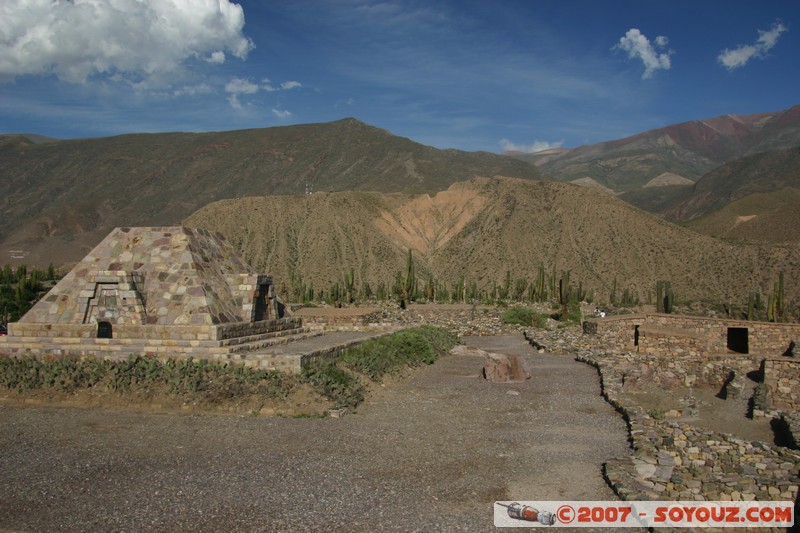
pixel 643 514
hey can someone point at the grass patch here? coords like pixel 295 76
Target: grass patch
pixel 340 380
pixel 407 348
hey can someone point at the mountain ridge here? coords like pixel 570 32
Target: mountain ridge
pixel 63 197
pixel 689 149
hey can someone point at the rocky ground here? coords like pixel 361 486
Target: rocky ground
pixel 431 452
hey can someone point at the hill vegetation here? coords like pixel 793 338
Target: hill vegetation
pixel 488 233
pixel 767 172
pixel 485 237
pixel 770 217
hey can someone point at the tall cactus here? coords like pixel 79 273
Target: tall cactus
pixel 664 297
pixel 564 293
pixel 669 297
pixel 348 286
pixel 541 290
pixel 659 296
pixel 775 303
pixel 411 278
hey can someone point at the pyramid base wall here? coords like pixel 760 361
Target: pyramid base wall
pixel 217 332
pixel 233 343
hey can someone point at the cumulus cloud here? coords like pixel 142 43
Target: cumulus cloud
pixel 140 40
pixel 281 113
pixel 217 57
pixel 537 146
pixel 742 54
pixel 654 56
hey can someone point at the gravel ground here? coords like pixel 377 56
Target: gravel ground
pixel 427 453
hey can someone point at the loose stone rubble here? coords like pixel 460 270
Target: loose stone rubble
pixel 672 459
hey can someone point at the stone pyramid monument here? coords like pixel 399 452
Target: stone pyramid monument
pixel 155 291
pixel 158 276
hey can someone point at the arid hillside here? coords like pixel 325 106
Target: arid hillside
pixel 60 198
pixel 767 172
pixel 771 217
pixel 481 228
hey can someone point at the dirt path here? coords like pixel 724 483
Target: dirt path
pixel 429 453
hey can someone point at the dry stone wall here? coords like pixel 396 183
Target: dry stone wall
pixel 687 335
pixel 782 382
pixel 673 460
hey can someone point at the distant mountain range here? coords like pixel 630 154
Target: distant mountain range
pixel 689 150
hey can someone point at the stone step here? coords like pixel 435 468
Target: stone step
pixel 292 357
pixel 248 339
pixel 284 338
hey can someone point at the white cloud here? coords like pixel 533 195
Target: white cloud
pixel 742 54
pixel 217 57
pixel 193 90
pixel 233 99
pixel 638 46
pixel 281 113
pixel 143 40
pixel 241 86
pixel 285 86
pixel 537 146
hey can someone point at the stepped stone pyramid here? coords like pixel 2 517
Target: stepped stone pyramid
pixel 165 291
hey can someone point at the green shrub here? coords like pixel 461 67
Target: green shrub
pixel 180 377
pixel 523 316
pixel 574 313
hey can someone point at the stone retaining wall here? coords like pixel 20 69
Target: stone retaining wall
pixel 782 381
pixel 345 321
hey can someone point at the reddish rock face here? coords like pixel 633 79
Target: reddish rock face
pixel 502 368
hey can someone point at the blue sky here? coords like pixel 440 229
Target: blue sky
pixel 471 75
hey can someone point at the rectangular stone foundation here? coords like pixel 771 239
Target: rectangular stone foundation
pixel 228 342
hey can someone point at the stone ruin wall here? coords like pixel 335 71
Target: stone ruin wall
pixel 782 380
pixel 686 335
pixel 680 351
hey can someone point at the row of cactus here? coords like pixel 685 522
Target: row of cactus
pixel 543 287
